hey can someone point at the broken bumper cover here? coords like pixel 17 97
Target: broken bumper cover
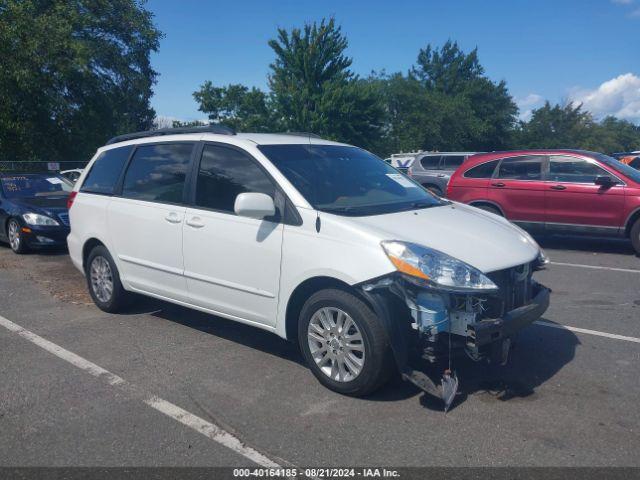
pixel 427 327
pixel 487 331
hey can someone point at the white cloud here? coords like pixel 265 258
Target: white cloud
pixel 619 97
pixel 527 104
pixel 635 13
pixel 622 2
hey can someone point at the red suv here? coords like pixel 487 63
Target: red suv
pixel 554 191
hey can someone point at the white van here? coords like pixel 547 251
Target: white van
pixel 319 242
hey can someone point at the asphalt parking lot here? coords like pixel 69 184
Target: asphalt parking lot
pixel 163 385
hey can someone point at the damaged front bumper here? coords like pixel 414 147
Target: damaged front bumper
pixel 490 330
pixel 431 326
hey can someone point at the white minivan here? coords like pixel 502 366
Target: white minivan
pixel 319 242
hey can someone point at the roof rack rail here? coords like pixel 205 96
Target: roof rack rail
pixel 302 134
pixel 219 129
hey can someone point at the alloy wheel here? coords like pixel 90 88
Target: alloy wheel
pixel 336 344
pixel 14 235
pixel 101 279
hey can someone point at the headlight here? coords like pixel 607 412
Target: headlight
pixel 37 219
pixel 433 268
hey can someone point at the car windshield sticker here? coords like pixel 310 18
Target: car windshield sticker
pixel 402 180
pixel 54 180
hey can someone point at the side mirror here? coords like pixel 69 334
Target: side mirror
pixel 604 181
pixel 254 205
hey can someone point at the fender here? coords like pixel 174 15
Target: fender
pixel 385 302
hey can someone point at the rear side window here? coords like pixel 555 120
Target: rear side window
pixel 104 173
pixel 484 170
pixel 224 174
pixel 431 162
pixel 526 167
pixel 158 172
pixel 574 170
pixel 452 162
pixel 635 163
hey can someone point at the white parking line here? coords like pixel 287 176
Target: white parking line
pixel 192 421
pixel 595 267
pixel 588 332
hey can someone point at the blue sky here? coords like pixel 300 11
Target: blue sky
pixel 583 50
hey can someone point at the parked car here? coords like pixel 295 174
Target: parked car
pixel 33 210
pixel 319 242
pixel 433 170
pixel 72 175
pixel 402 161
pixel 554 191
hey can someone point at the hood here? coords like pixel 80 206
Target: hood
pixel 479 238
pixel 49 205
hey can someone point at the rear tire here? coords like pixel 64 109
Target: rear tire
pixel 635 236
pixel 344 343
pixel 16 238
pixel 103 281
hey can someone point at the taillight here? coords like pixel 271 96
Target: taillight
pixel 449 187
pixel 71 198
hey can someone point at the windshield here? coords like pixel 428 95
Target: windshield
pixel 347 180
pixel 18 186
pixel 626 170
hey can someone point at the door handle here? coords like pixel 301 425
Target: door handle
pixel 558 187
pixel 195 222
pixel 173 218
pixel 441 175
pixel 498 184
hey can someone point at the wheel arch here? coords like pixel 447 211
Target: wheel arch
pixel 303 291
pixel 89 245
pixel 631 220
pixel 488 203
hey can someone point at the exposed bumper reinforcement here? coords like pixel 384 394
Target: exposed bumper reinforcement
pixel 492 330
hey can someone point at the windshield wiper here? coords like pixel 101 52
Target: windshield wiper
pixel 338 209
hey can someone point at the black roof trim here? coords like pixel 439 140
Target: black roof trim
pixel 218 129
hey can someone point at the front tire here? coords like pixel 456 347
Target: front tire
pixel 103 281
pixel 17 242
pixel 344 344
pixel 635 236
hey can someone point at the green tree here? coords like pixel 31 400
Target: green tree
pixel 615 135
pixel 313 90
pixel 73 74
pixel 189 123
pixel 419 119
pixel 556 126
pixel 475 112
pixel 447 69
pixel 236 106
pixel 569 126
